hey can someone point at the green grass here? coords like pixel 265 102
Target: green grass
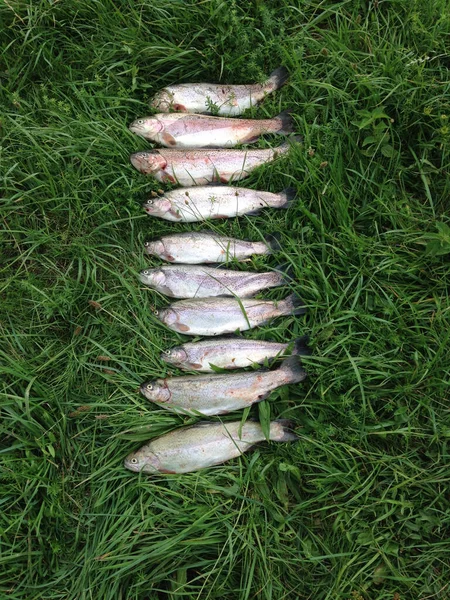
pixel 359 508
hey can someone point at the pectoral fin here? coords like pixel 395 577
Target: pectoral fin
pixel 168 139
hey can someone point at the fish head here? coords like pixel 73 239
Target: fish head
pixel 156 248
pixel 163 101
pixel 155 391
pixel 157 207
pixel 148 162
pixel 174 356
pixel 142 460
pixel 167 316
pixel 147 126
pixel 153 277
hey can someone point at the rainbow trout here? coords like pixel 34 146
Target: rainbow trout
pixel 199 247
pixel 229 353
pixel 215 316
pixel 229 100
pixel 191 281
pixel 223 393
pixel 201 167
pixel 184 130
pixel 203 445
pixel 190 205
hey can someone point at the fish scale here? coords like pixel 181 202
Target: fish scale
pixel 189 281
pixel 184 130
pixel 203 445
pixel 219 394
pixel 197 247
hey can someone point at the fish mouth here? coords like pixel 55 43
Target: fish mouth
pixel 138 161
pixel 136 128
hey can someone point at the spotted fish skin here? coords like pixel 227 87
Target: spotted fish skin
pixel 226 100
pixel 223 393
pixel 204 445
pixel 229 353
pixel 202 167
pixel 192 205
pixel 200 247
pixel 190 281
pixel 216 316
pixel 184 130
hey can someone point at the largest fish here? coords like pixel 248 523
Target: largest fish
pixel 203 445
pixel 229 100
pixel 223 393
pixel 200 167
pixel 183 130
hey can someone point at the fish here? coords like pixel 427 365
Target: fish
pixel 227 100
pixel 191 205
pixel 191 281
pixel 229 353
pixel 215 316
pixel 202 167
pixel 200 247
pixel 184 130
pixel 204 445
pixel 220 393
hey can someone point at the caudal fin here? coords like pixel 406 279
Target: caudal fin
pixel 292 305
pixel 301 346
pixel 277 78
pixel 281 431
pixel 287 198
pixel 292 370
pixel 287 124
pixel 273 241
pixel 287 272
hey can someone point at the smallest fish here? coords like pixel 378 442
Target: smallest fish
pixel 200 247
pixel 230 353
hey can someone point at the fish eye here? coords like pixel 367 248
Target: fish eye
pixel 150 202
pixel 156 312
pixel 141 121
pixel 134 461
pixel 146 244
pixel 149 387
pixel 145 272
pixel 167 352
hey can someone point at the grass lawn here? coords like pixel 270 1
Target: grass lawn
pixel 359 508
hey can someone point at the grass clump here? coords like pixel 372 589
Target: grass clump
pixel 358 508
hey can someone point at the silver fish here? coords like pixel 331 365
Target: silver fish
pixel 215 316
pixel 184 130
pixel 229 353
pixel 201 167
pixel 190 205
pixel 203 445
pixel 230 100
pixel 199 247
pixel 190 281
pixel 223 393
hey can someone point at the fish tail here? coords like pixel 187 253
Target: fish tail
pixel 287 272
pixel 281 431
pixel 287 197
pixel 301 346
pixel 292 305
pixel 277 78
pixel 287 124
pixel 273 240
pixel 292 370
